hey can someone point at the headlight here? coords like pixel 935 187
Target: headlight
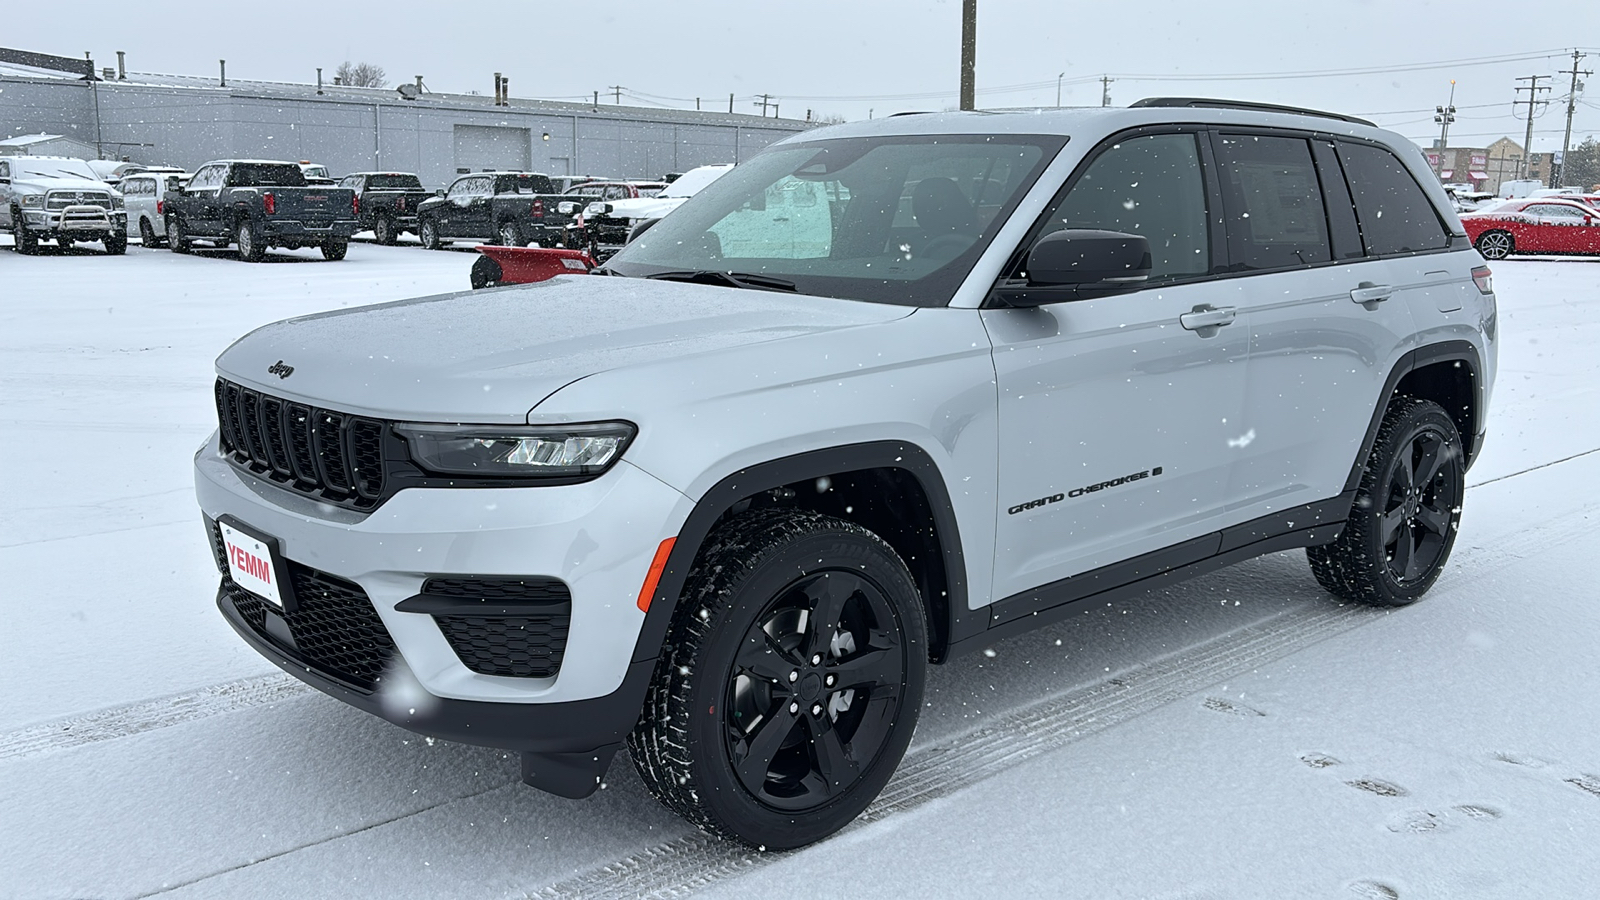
pixel 32 199
pixel 116 200
pixel 561 451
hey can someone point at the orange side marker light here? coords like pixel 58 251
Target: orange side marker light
pixel 657 566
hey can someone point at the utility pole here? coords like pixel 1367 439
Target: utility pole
pixel 1533 100
pixel 616 89
pixel 1105 89
pixel 1445 115
pixel 730 104
pixel 764 102
pixel 1558 174
pixel 1058 89
pixel 969 54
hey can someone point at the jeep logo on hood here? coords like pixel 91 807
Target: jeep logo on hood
pixel 280 370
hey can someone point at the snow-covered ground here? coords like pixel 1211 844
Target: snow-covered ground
pixel 1240 735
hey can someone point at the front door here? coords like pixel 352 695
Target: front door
pixel 1119 415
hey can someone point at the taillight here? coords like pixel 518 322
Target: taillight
pixel 355 204
pixel 161 207
pixel 270 202
pixel 400 205
pixel 1484 279
pixel 538 209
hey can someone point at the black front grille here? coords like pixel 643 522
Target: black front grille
pixel 332 456
pixel 523 646
pixel 548 590
pixel 333 623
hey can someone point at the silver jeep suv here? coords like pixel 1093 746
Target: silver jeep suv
pixel 884 394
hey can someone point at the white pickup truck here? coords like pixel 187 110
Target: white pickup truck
pixel 60 199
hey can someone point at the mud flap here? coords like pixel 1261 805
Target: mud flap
pixel 571 775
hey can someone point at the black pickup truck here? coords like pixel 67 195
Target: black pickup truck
pixel 508 208
pixel 257 204
pixel 388 202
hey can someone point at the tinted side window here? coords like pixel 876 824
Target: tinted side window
pixel 1151 186
pixel 1275 217
pixel 1395 214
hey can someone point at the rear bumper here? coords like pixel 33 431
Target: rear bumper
pixel 275 230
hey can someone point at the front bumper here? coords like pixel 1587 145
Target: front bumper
pixel 76 221
pixel 597 537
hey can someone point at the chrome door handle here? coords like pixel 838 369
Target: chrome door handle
pixel 1205 317
pixel 1367 292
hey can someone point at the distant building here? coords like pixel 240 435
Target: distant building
pixel 187 120
pixel 46 145
pixel 1486 167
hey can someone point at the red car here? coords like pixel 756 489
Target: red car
pixel 1535 225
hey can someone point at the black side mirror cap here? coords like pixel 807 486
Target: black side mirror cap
pixel 1076 263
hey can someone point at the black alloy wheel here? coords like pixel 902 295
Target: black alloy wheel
pixel 1406 512
pixel 792 680
pixel 1496 244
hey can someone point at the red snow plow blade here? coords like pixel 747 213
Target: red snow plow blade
pixel 525 265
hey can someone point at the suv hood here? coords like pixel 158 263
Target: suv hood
pixel 491 356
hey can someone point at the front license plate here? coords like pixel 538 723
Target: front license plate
pixel 250 564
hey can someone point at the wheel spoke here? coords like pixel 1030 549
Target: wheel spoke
pixel 1405 470
pixel 1392 520
pixel 1434 454
pixel 869 669
pixel 833 761
pixel 830 591
pixel 761 746
pixel 1436 521
pixel 1400 561
pixel 763 659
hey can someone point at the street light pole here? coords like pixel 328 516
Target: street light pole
pixel 1444 116
pixel 1058 88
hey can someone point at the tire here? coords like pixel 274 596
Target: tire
pixel 1496 244
pixel 177 238
pixel 485 273
pixel 147 234
pixel 26 243
pixel 116 243
pixel 509 234
pixel 250 247
pixel 428 232
pixel 383 231
pixel 831 703
pixel 335 250
pixel 1403 522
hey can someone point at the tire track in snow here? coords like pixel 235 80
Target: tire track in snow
pixel 149 715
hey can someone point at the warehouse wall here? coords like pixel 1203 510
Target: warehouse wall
pixel 187 126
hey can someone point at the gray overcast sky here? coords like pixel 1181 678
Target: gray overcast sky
pixel 849 57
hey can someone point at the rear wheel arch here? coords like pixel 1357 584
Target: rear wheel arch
pixel 1448 373
pixel 892 488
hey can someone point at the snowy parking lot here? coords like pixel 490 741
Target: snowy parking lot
pixel 1239 735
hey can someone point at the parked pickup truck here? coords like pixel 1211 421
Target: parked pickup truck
pixel 256 204
pixel 508 208
pixel 59 199
pixel 388 202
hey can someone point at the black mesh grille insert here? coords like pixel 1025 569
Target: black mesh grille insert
pixel 330 455
pixel 523 647
pixel 552 590
pixel 334 624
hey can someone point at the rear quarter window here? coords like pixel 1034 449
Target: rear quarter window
pixel 1395 214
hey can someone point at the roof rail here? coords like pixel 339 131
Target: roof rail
pixel 1205 103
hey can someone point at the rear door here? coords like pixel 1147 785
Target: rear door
pixel 202 206
pixel 1114 413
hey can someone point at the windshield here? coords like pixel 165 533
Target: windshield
pixel 694 180
pixel 53 168
pixel 394 183
pixel 886 219
pixel 266 175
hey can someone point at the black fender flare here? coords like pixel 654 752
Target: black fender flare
pixel 1444 351
pixel 765 476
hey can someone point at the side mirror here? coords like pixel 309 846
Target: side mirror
pixel 439 192
pixel 1080 262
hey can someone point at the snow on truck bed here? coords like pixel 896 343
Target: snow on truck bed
pixel 1239 735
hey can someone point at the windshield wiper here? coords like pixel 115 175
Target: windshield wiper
pixel 726 279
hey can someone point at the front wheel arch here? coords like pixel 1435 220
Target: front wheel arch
pixel 899 469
